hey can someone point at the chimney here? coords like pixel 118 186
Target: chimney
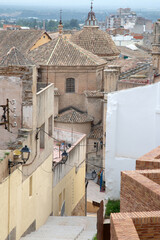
pixel 111 77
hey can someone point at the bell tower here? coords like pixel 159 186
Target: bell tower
pixel 60 26
pixel 91 20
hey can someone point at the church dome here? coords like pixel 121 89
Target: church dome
pixel 95 40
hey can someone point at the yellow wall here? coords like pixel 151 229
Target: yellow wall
pixel 44 39
pixel 21 208
pixel 74 185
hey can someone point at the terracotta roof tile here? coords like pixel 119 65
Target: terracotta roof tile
pixel 96 133
pixel 139 54
pixel 96 41
pixel 61 52
pixel 73 116
pixel 23 40
pixel 15 58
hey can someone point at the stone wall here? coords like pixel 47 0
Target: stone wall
pixel 26 76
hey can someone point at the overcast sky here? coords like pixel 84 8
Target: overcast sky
pixel 153 4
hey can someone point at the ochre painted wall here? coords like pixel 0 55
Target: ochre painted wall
pixel 44 39
pixel 19 207
pixel 73 184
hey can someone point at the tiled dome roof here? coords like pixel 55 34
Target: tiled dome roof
pixel 96 41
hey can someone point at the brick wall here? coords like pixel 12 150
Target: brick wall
pixel 139 192
pixel 136 225
pixel 150 160
pixel 122 227
pixel 140 201
pixel 148 231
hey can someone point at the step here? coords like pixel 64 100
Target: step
pixel 87 235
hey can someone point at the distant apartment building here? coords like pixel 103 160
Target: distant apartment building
pixel 118 31
pixel 123 16
pixel 128 40
pixel 129 20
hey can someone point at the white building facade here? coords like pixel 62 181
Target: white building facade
pixel 132 129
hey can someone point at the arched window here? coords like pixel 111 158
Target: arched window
pixel 70 85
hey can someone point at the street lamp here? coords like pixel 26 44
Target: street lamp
pixel 64 157
pixel 94 174
pixel 24 153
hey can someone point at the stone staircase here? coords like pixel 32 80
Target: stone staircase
pixel 65 228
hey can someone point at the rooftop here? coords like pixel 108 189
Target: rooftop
pixel 61 52
pixel 73 116
pixel 96 41
pixel 139 54
pixel 96 132
pixel 23 40
pixel 15 58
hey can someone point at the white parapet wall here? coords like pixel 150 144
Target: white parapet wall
pixel 132 129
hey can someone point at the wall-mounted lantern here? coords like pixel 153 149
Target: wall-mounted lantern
pixel 20 157
pixel 25 151
pixel 64 157
pixel 94 174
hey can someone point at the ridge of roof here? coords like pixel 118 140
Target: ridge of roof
pixel 15 58
pixel 62 52
pixel 53 51
pixel 23 40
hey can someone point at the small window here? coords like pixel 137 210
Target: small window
pixel 30 186
pixel 42 136
pixel 50 126
pixel 95 144
pixel 70 85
